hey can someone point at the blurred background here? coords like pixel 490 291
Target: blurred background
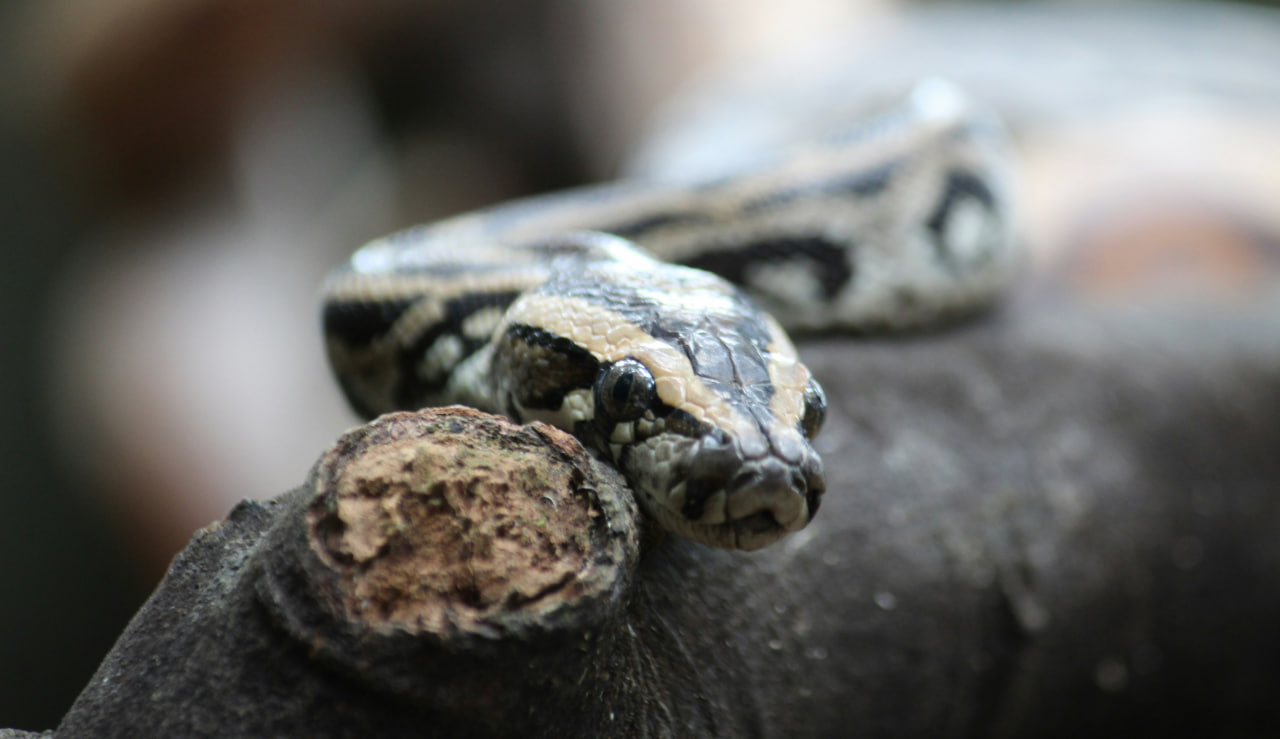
pixel 177 177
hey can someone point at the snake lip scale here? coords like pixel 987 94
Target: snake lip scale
pixel 685 380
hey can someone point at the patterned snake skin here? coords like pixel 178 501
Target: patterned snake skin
pixel 647 318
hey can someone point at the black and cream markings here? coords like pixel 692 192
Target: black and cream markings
pixel 544 368
pixel 967 208
pixel 826 261
pixel 695 395
pixel 694 392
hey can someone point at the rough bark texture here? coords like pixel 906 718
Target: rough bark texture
pixel 1053 522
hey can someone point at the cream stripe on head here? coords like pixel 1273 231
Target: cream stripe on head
pixel 788 375
pixel 610 336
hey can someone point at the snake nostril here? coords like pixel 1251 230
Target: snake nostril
pixel 744 479
pixel 816 482
pixel 814 499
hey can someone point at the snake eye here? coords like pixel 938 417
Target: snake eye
pixel 625 391
pixel 815 408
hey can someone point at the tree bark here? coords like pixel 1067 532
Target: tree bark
pixel 1057 521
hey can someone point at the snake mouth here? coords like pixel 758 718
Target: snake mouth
pixel 753 503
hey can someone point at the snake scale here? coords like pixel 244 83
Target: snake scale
pixel 647 318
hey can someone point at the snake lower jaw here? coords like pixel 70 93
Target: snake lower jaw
pixel 751 532
pixel 759 530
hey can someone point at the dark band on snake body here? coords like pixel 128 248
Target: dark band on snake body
pixel 636 230
pixel 961 187
pixel 361 323
pixel 858 184
pixel 416 387
pixel 828 262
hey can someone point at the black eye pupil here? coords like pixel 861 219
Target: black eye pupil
pixel 622 389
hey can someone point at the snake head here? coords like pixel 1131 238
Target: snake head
pixel 738 485
pixel 693 393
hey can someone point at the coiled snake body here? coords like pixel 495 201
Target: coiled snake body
pixel 597 310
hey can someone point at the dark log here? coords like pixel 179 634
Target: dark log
pixel 1057 521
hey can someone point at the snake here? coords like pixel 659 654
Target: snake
pixel 650 317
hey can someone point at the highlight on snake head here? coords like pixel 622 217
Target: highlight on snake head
pixel 672 373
